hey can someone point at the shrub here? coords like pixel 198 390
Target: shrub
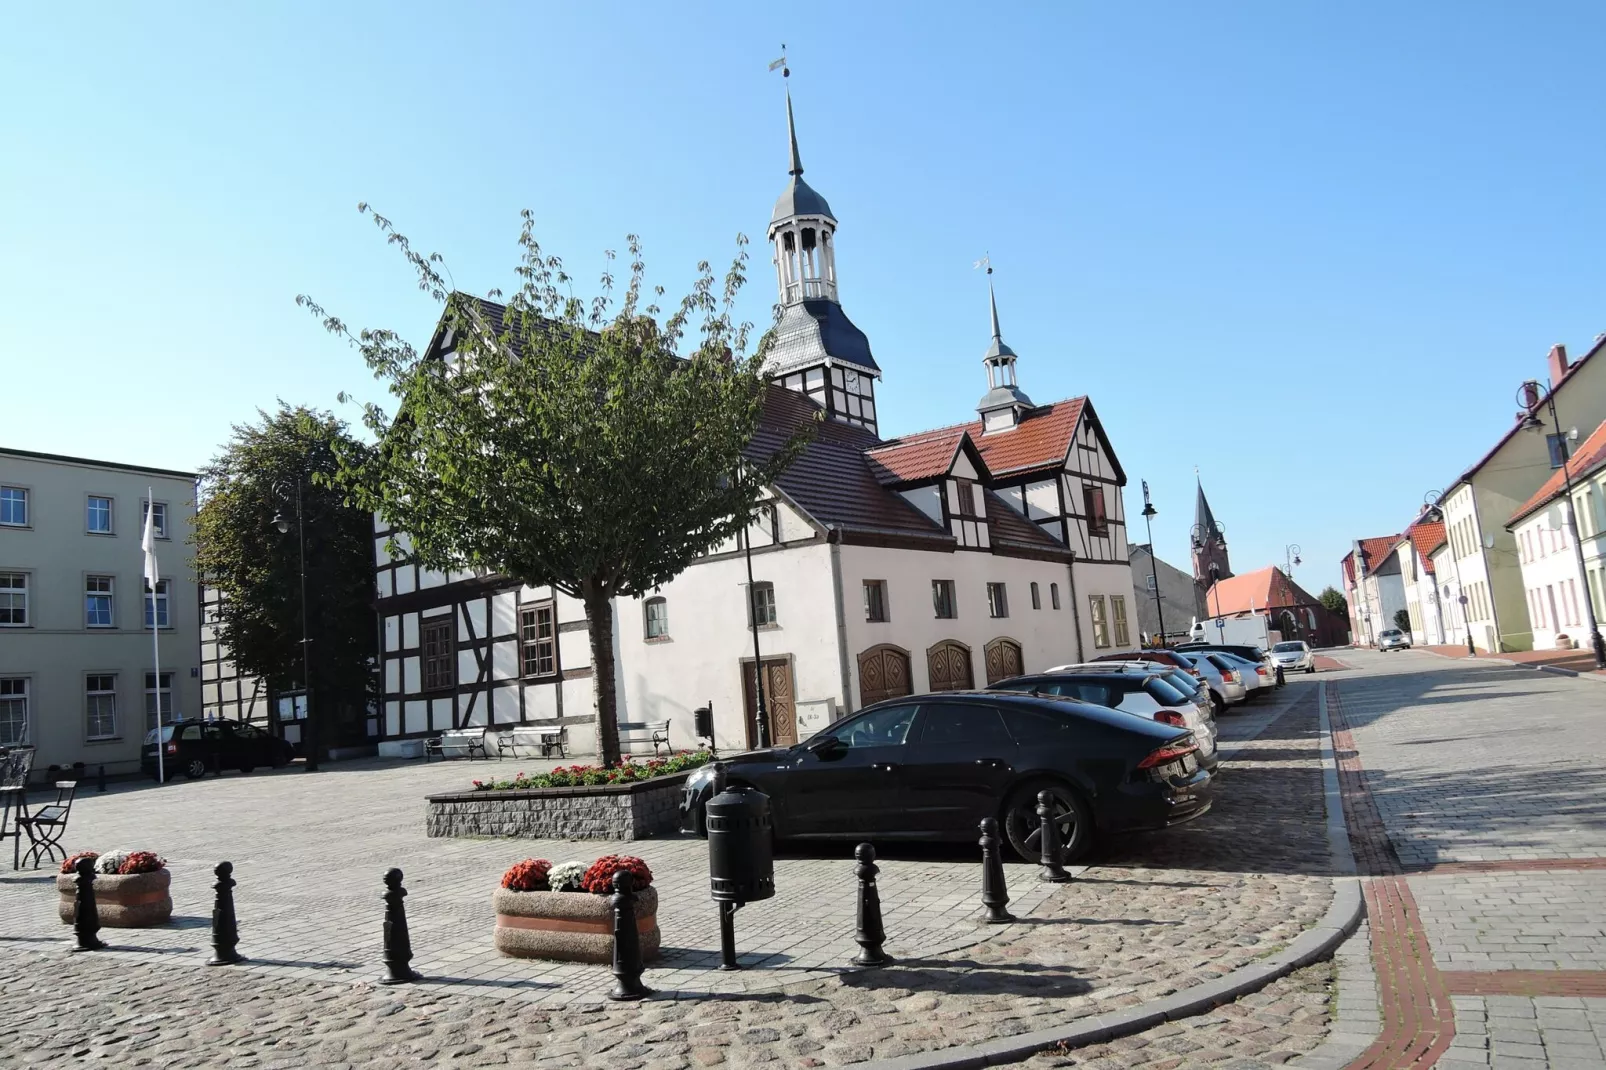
pixel 71 863
pixel 566 876
pixel 529 875
pixel 599 878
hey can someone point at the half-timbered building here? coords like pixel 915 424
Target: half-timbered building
pixel 938 560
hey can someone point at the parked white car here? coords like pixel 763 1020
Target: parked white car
pixel 1294 655
pixel 1225 687
pixel 1255 676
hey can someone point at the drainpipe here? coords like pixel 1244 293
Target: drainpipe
pixel 1076 611
pixel 833 537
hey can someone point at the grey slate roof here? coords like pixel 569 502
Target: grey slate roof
pixel 1003 397
pixel 800 198
pixel 814 329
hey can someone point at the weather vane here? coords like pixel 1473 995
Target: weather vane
pixel 986 261
pixel 786 72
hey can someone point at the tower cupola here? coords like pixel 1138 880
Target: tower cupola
pixel 1004 404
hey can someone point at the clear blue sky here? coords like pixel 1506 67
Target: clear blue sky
pixel 1310 248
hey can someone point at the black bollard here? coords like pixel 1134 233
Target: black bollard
pixel 727 936
pixel 1053 868
pixel 870 934
pixel 1280 680
pixel 398 945
pixel 100 780
pixel 994 892
pixel 225 930
pixel 85 917
pixel 626 940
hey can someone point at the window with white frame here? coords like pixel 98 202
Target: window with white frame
pixel 13 710
pixel 156 615
pixel 763 604
pixel 657 617
pixel 158 522
pixel 98 602
pixel 13 507
pixel 158 691
pixel 13 599
pixel 100 706
pixel 98 515
pixel 538 639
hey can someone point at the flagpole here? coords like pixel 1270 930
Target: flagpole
pixel 148 543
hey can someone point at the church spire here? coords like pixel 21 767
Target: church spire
pixel 1209 541
pixel 791 129
pixel 1004 404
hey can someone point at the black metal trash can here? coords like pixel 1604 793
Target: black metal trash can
pixel 741 858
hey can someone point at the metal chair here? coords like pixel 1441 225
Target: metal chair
pixel 16 763
pixel 46 826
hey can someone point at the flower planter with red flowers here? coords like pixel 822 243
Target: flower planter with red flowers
pixel 563 912
pixel 132 889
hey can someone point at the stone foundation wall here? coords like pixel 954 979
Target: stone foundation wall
pixel 615 812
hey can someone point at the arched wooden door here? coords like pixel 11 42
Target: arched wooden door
pixel 883 673
pixel 1003 659
pixel 948 665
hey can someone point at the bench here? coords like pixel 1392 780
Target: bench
pixel 457 743
pixel 547 737
pixel 655 732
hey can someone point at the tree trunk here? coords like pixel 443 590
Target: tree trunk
pixel 604 699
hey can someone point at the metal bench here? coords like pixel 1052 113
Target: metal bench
pixel 655 732
pixel 457 743
pixel 548 738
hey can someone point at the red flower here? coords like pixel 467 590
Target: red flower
pixel 142 862
pixel 598 878
pixel 71 864
pixel 527 876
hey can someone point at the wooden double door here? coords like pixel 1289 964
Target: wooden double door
pixel 1003 657
pixel 883 674
pixel 780 701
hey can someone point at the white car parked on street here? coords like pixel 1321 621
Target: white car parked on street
pixel 1294 655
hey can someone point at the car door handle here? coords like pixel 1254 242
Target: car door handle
pixel 884 767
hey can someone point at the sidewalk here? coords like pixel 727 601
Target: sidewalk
pixel 1576 662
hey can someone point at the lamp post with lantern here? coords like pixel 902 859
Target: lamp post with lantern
pixel 1154 566
pixel 282 523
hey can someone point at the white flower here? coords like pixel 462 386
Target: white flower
pixel 565 876
pixel 111 861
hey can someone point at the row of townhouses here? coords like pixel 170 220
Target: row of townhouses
pixel 1490 562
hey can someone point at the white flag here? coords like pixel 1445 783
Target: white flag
pixel 147 543
pixel 778 63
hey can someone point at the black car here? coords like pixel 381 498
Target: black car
pixel 931 767
pixel 196 748
pixel 1248 653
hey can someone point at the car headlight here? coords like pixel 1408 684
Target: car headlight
pixel 699 777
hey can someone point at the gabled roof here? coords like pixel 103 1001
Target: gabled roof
pixel 1267 588
pixel 1042 439
pixel 1517 424
pixel 908 462
pixel 1587 458
pixel 1426 535
pixel 1375 550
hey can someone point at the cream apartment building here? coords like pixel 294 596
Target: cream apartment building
pixel 77 678
pixel 1553 588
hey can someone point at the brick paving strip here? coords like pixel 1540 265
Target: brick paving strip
pixel 1418 1017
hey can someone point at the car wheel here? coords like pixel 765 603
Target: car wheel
pixel 195 768
pixel 1024 830
pixel 281 759
pixel 1218 705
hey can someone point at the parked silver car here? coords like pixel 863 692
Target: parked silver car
pixel 1294 655
pixel 1256 677
pixel 1393 639
pixel 1225 687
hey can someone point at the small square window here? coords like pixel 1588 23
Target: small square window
pixel 13 507
pixel 98 515
pixel 875 600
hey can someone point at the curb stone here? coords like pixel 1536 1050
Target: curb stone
pixel 1343 916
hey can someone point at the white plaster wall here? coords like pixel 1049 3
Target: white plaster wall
pixel 1045 636
pixel 1551 566
pixel 709 637
pixel 1106 580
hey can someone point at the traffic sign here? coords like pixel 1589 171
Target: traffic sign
pixel 1221 622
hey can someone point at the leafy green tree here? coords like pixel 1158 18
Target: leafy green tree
pixel 568 443
pixel 1333 600
pixel 1402 620
pixel 240 551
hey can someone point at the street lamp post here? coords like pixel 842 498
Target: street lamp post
pixel 281 522
pixel 1531 422
pixel 1433 498
pixel 1215 576
pixel 1291 558
pixel 1154 566
pixel 761 723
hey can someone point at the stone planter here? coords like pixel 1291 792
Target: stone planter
pixel 634 811
pixel 1564 643
pixel 123 900
pixel 569 926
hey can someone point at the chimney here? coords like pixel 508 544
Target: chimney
pixel 1558 363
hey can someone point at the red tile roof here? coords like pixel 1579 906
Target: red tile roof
pixel 1426 535
pixel 1042 439
pixel 1376 550
pixel 1267 588
pixel 926 457
pixel 1588 457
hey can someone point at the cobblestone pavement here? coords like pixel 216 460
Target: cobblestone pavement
pixel 1485 781
pixel 1155 914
